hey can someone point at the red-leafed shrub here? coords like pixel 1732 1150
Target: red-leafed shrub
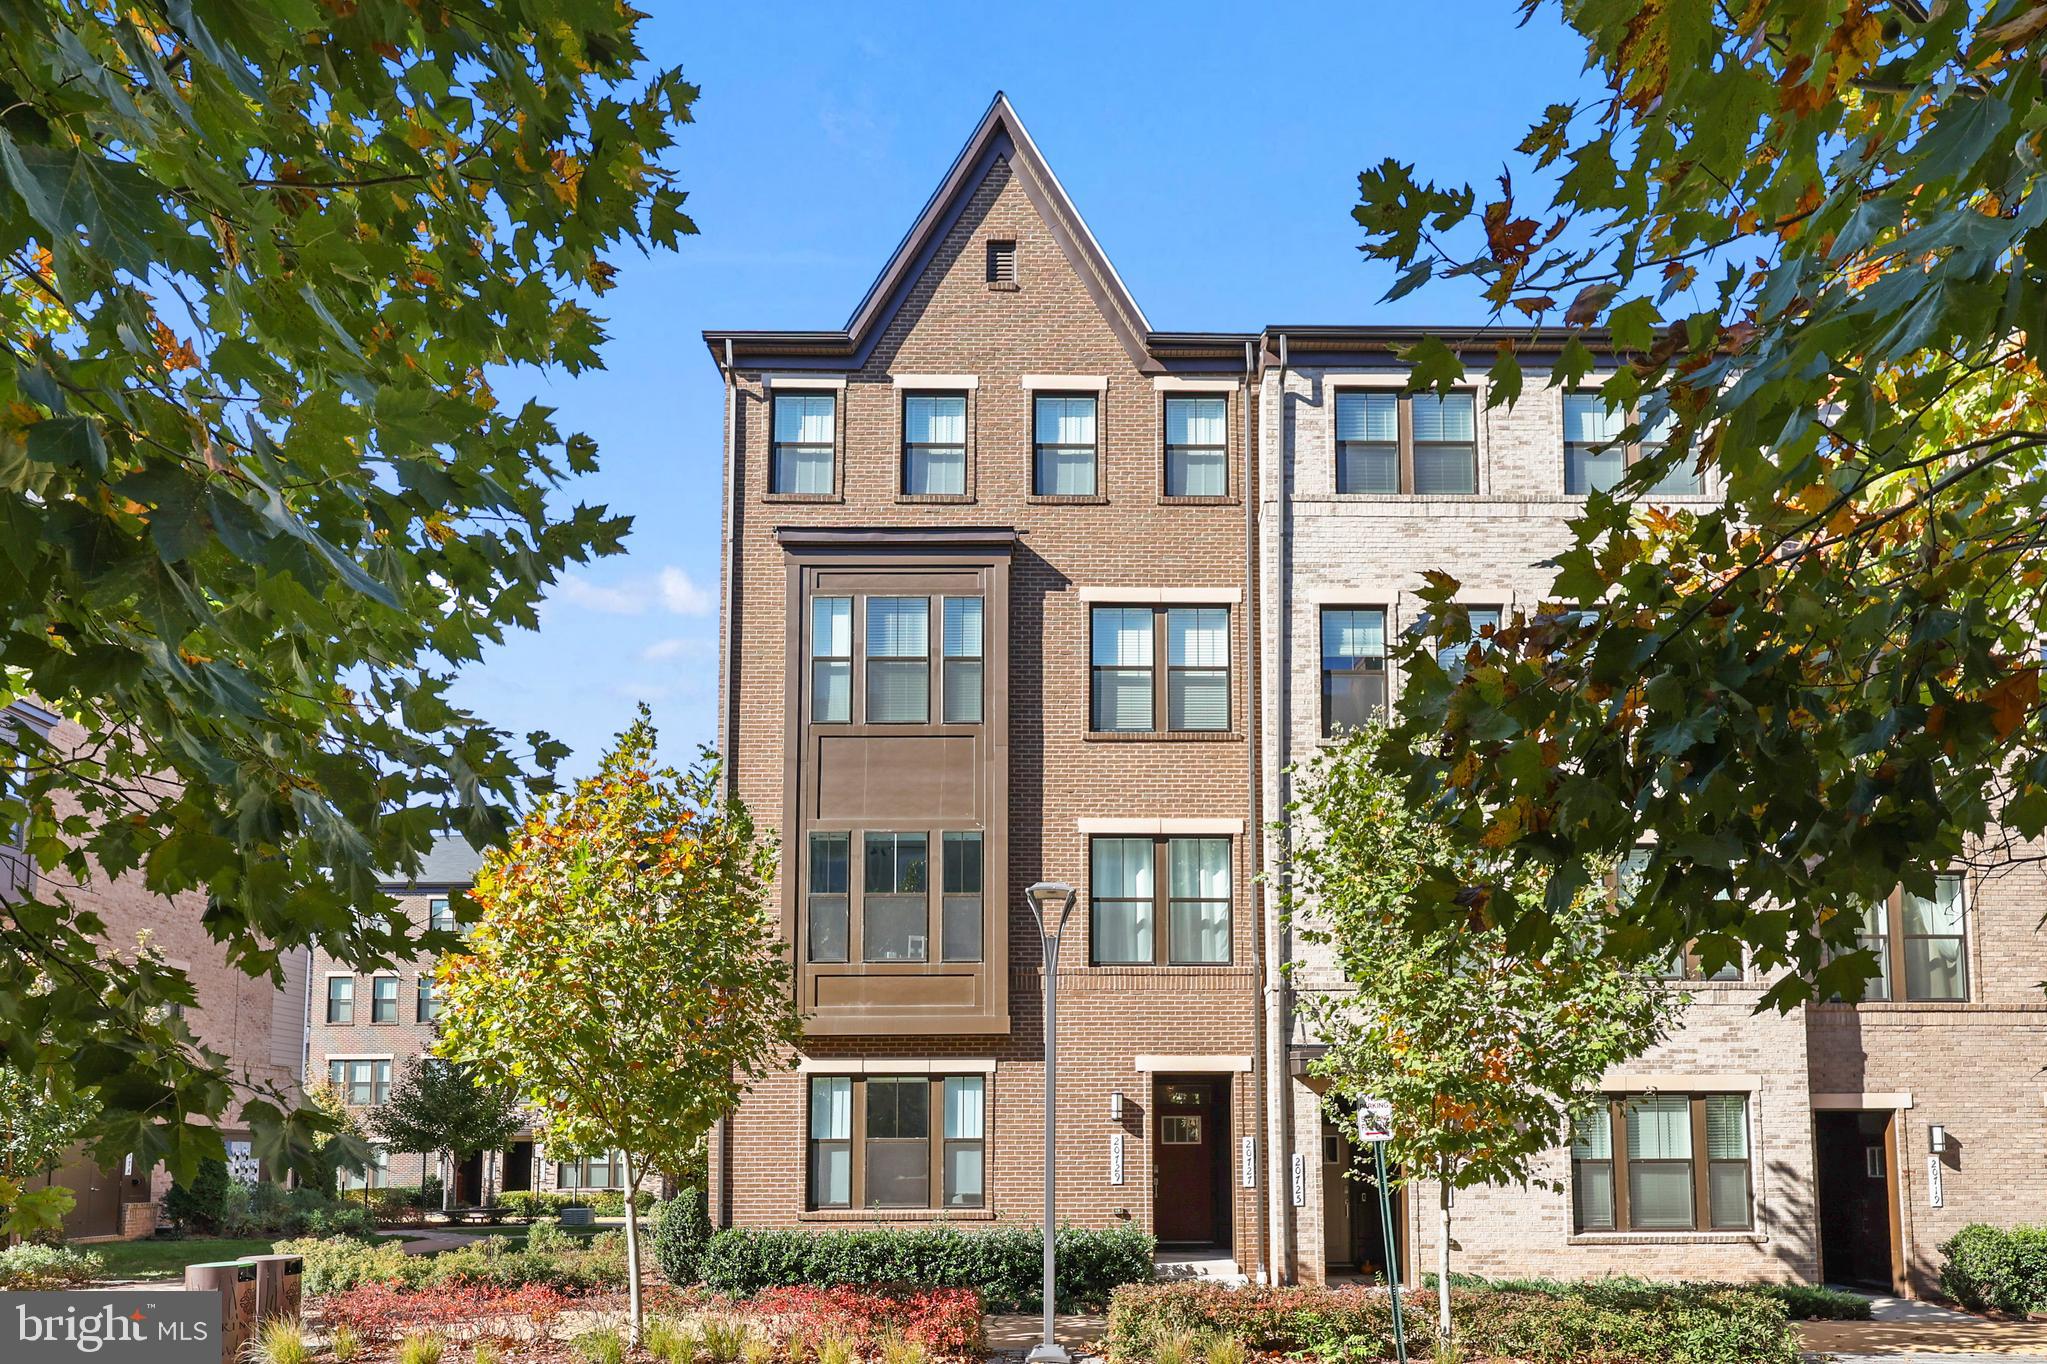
pixel 383 1310
pixel 945 1321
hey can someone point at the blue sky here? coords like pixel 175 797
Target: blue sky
pixel 1213 149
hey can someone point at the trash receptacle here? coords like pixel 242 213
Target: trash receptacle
pixel 579 1217
pixel 235 1281
pixel 277 1285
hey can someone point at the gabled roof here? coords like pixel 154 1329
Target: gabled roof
pixel 450 862
pixel 1000 136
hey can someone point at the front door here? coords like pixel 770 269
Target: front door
pixel 1189 1145
pixel 1337 1200
pixel 97 1211
pixel 469 1179
pixel 1853 1153
pixel 518 1167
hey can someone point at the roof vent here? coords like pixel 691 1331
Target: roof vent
pixel 1002 265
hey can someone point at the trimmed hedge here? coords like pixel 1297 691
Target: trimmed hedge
pixel 1005 1264
pixel 1802 1302
pixel 1995 1267
pixel 682 1227
pixel 1692 1325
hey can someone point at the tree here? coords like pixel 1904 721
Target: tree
pixel 1816 234
pixel 1484 1050
pixel 41 1118
pixel 261 268
pixel 626 967
pixel 450 1110
pixel 342 1144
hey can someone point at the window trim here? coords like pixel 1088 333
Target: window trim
pixel 1633 452
pixel 347 1003
pixel 1700 1163
pixel 1167 447
pixel 1162 899
pixel 377 1001
pixel 1161 668
pixel 1405 441
pixel 965 447
pixel 1038 447
pixel 935 1140
pixel 775 447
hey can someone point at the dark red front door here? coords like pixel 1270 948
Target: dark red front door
pixel 1188 1148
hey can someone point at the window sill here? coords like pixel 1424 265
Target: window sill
pixel 1067 500
pixel 1894 1005
pixel 896 1215
pixel 1224 501
pixel 926 498
pixel 1162 736
pixel 1668 1238
pixel 1004 287
pixel 802 497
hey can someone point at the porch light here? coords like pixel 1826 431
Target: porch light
pixel 1115 1105
pixel 1936 1139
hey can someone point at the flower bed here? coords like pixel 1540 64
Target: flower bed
pixel 383 1311
pixel 1709 1325
pixel 945 1321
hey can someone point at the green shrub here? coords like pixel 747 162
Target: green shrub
pixel 32 1268
pixel 422 1347
pixel 279 1341
pixel 339 1263
pixel 601 1345
pixel 1802 1302
pixel 1005 1265
pixel 1986 1267
pixel 682 1227
pixel 199 1205
pixel 343 1345
pixel 527 1205
pixel 1692 1325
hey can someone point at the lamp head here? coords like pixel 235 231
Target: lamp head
pixel 1051 902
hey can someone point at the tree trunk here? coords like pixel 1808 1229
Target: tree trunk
pixel 1443 1253
pixel 447 1184
pixel 632 1252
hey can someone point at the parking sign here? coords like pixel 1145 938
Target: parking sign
pixel 1375 1121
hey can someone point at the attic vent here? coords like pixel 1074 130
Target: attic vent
pixel 1002 264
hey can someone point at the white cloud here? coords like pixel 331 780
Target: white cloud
pixel 671 589
pixel 662 650
pixel 681 594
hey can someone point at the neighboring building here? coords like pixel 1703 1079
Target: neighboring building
pixel 997 610
pixel 247 1019
pixel 988 624
pixel 362 1028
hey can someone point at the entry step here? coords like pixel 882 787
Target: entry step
pixel 1206 1266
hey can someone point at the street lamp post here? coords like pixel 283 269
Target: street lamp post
pixel 1050 903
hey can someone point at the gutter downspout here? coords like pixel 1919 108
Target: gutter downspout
pixel 728 719
pixel 1272 745
pixel 1269 1261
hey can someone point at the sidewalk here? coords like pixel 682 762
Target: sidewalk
pixel 1012 1334
pixel 1907 1332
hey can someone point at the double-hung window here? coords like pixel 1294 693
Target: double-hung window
pixel 1663 1162
pixel 383 999
pixel 1367 442
pixel 427 1007
pixel 961 682
pixel 895 904
pixel 831 660
pixel 1445 442
pixel 960 911
pixel 1064 462
pixel 1597 457
pixel 887 1141
pixel 1197 447
pixel 1125 909
pixel 898 660
pixel 803 443
pixel 1687 963
pixel 830 904
pixel 440 915
pixel 1389 442
pixel 340 999
pixel 1353 667
pixel 934 444
pixel 1131 645
pixel 1485 623
pixel 1921 940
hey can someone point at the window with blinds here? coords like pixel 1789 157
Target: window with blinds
pixel 1131 646
pixel 1367 442
pixel 1682 1162
pixel 1598 451
pixel 961 680
pixel 801 461
pixel 1064 460
pixel 892 1141
pixel 1198 668
pixel 898 660
pixel 1485 622
pixel 1445 442
pixel 935 444
pixel 1122 654
pixel 1353 667
pixel 1197 447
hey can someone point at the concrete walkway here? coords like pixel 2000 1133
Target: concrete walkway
pixel 1011 1335
pixel 1904 1331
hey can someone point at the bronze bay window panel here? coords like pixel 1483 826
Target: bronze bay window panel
pixel 960 930
pixel 897 1141
pixel 1159 901
pixel 804 437
pixel 1663 1163
pixel 961 680
pixel 898 660
pixel 831 660
pixel 829 903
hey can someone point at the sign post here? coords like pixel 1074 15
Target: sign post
pixel 1375 1129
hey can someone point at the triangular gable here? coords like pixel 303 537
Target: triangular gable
pixel 1000 136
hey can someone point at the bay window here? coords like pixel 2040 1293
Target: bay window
pixel 895 903
pixel 961 682
pixel 898 660
pixel 831 660
pixel 830 904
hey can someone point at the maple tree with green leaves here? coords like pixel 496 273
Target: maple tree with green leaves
pixel 263 266
pixel 1484 1050
pixel 626 971
pixel 448 1110
pixel 1815 235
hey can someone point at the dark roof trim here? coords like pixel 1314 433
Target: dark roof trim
pixel 934 537
pixel 1456 336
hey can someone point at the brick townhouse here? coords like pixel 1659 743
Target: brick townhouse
pixel 998 609
pixel 248 1020
pixel 362 1027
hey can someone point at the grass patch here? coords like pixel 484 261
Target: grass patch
pixel 166 1259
